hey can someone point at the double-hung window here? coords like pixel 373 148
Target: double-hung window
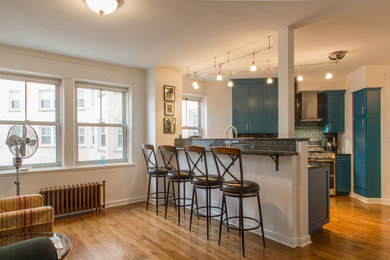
pixel 100 122
pixel 31 100
pixel 191 117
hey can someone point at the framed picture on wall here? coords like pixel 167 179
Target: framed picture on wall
pixel 169 125
pixel 169 108
pixel 169 93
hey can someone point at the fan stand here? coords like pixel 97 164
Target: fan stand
pixel 18 164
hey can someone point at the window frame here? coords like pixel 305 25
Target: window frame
pixel 124 124
pixel 200 111
pixel 36 124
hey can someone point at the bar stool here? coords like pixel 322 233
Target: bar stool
pixel 237 187
pixel 154 172
pixel 175 175
pixel 201 179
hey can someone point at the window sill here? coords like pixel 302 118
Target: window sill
pixel 43 170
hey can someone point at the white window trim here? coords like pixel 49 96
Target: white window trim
pixel 124 126
pixel 78 136
pixel 56 123
pixel 200 113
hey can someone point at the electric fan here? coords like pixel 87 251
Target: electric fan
pixel 22 141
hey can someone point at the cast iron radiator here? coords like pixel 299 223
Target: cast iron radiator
pixel 76 198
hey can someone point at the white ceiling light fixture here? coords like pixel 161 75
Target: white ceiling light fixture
pixel 219 76
pixel 300 77
pixel 195 83
pixel 230 83
pixel 329 74
pixel 269 79
pixel 103 7
pixel 253 66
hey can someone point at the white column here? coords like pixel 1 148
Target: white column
pixel 286 82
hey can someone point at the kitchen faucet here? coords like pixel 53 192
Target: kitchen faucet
pixel 234 134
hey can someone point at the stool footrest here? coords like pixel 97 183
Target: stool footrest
pixel 224 222
pixel 153 195
pixel 195 211
pixel 170 202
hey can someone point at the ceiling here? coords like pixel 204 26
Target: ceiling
pixel 181 33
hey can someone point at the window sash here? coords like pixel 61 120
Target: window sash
pixel 199 127
pixel 55 106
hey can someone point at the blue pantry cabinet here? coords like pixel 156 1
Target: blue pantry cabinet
pixel 334 111
pixel 255 106
pixel 367 143
pixel 343 174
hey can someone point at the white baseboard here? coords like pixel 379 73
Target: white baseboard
pixel 382 201
pixel 280 238
pixel 115 203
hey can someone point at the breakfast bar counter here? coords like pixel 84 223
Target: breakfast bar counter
pixel 283 189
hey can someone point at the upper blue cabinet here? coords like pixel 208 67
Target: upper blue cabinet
pixel 334 111
pixel 255 106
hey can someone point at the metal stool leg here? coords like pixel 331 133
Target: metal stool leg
pixel 174 194
pixel 207 212
pixel 242 227
pixel 165 192
pixel 192 206
pixel 147 199
pixel 196 203
pixel 226 212
pixel 261 219
pixel 178 202
pixel 166 200
pixel 221 219
pixel 157 201
pixel 184 196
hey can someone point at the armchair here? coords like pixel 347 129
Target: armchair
pixel 23 214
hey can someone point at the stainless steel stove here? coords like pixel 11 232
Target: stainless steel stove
pixel 317 155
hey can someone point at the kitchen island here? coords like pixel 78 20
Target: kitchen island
pixel 280 167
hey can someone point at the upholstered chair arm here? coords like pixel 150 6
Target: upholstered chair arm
pixel 21 202
pixel 26 218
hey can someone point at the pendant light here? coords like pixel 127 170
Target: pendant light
pixel 329 74
pixel 103 7
pixel 219 76
pixel 195 83
pixel 253 67
pixel 269 79
pixel 300 77
pixel 230 83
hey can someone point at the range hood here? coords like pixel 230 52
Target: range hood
pixel 310 107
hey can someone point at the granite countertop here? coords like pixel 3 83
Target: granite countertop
pixel 244 138
pixel 258 152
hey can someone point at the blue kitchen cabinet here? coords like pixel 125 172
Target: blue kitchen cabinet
pixel 334 111
pixel 343 174
pixel 367 143
pixel 255 106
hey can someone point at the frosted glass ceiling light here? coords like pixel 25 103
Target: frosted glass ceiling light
pixel 103 6
pixel 300 77
pixel 230 83
pixel 253 67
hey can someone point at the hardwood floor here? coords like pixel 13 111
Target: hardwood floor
pixel 356 231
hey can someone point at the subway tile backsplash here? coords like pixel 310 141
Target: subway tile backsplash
pixel 311 132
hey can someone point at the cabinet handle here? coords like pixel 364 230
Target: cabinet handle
pixel 247 127
pixel 362 122
pixel 362 109
pixel 342 159
pixel 330 126
pixel 250 126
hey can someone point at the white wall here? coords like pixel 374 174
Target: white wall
pixel 124 183
pixel 317 82
pixel 218 105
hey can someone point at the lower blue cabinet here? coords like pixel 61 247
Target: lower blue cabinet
pixel 343 174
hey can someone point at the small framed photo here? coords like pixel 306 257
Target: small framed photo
pixel 169 125
pixel 169 93
pixel 169 108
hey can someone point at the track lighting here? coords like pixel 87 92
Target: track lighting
pixel 300 77
pixel 219 76
pixel 230 83
pixel 253 67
